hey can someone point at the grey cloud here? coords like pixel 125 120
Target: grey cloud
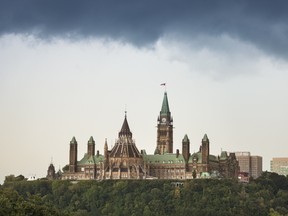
pixel 261 22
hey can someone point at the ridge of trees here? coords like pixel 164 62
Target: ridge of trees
pixel 266 195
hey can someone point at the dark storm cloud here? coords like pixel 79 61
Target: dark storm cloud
pixel 261 22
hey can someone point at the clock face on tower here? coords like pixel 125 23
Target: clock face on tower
pixel 163 120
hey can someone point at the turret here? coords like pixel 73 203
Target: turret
pixel 73 155
pixel 186 147
pixel 205 150
pixel 91 147
pixel 156 151
pixel 51 172
pixel 105 150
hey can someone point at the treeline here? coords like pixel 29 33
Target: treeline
pixel 267 195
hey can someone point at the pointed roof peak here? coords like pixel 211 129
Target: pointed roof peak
pixel 185 139
pixel 125 130
pixel 165 105
pixel 51 166
pixel 91 140
pixel 157 151
pixel 73 141
pixel 205 138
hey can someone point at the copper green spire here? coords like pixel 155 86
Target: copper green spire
pixel 185 139
pixel 73 141
pixel 165 106
pixel 157 151
pixel 91 140
pixel 205 138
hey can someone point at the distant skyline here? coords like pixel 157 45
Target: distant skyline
pixel 72 69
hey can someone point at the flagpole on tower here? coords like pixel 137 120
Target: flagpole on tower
pixel 163 84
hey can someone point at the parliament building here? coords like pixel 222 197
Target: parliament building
pixel 125 161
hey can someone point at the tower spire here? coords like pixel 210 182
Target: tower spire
pixel 125 130
pixel 125 145
pixel 165 105
pixel 165 128
pixel 105 149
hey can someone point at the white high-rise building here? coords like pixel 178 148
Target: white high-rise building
pixel 279 165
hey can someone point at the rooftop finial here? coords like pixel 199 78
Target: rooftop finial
pixel 125 130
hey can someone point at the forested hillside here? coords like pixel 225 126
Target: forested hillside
pixel 267 195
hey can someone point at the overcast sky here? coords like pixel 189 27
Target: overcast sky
pixel 71 68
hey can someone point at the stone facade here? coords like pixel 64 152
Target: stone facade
pixel 124 161
pixel 51 174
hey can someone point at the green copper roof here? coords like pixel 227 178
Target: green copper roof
pixel 205 138
pixel 91 140
pixel 165 158
pixel 73 141
pixel 224 155
pixel 91 159
pixel 213 158
pixel 165 106
pixel 185 139
pixel 197 156
pixel 157 151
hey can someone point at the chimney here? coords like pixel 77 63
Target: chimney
pixel 97 153
pixel 177 153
